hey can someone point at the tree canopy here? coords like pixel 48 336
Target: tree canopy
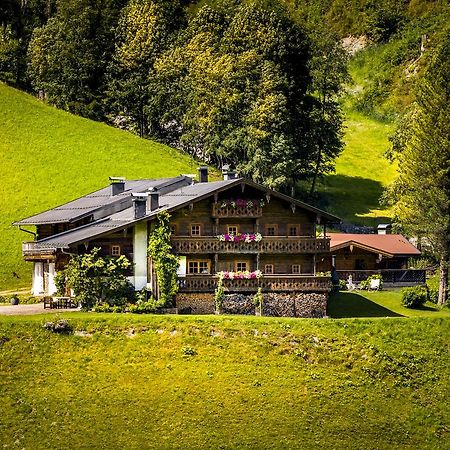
pixel 420 196
pixel 242 83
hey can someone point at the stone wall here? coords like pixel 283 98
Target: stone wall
pixel 195 303
pixel 296 304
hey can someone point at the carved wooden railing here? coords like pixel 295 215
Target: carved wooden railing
pixel 238 211
pixel 189 245
pixel 35 249
pixel 276 283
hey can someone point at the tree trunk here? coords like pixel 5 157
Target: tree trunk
pixel 443 280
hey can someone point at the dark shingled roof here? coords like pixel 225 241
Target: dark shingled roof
pixel 96 202
pixel 174 193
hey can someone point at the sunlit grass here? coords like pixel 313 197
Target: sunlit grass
pixel 48 157
pixel 128 382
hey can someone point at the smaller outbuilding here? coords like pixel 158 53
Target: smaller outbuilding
pixel 361 255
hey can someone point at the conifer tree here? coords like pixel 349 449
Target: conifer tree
pixel 421 194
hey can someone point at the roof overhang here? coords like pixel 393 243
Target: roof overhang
pixel 346 244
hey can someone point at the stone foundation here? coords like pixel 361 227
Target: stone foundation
pixel 195 303
pixel 296 304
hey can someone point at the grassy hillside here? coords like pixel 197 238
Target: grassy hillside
pixel 362 171
pixel 222 382
pixel 48 157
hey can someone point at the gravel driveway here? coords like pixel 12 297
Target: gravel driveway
pixel 25 310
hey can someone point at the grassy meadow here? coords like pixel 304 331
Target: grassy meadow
pixel 122 381
pixel 49 157
pixel 362 172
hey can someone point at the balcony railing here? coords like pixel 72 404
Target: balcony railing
pixel 33 251
pixel 389 275
pixel 242 211
pixel 281 244
pixel 275 283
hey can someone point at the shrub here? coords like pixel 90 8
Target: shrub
pixel 433 294
pixel 105 308
pixel 366 283
pixel 414 297
pixel 96 280
pixel 258 301
pixel 143 307
pixel 342 285
pixel 219 296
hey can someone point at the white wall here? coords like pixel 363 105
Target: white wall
pixel 38 278
pixel 51 279
pixel 140 243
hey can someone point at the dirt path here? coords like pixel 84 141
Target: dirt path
pixel 26 310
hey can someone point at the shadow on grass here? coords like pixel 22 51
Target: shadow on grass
pixel 428 308
pixel 355 305
pixel 351 197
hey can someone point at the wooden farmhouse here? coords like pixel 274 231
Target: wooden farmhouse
pixel 254 236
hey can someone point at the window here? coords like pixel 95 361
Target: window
pixel 271 230
pixel 198 267
pixel 196 229
pixel 295 268
pixel 268 268
pixel 293 230
pixel 242 266
pixel 115 250
pixel 232 229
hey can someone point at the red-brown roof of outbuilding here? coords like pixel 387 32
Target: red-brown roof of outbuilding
pixel 390 244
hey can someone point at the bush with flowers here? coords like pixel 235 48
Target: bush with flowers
pixel 246 275
pixel 240 237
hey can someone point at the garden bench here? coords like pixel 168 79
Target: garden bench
pixel 60 302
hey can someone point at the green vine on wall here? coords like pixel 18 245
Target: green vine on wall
pixel 165 262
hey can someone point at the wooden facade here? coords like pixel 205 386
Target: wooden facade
pixel 285 255
pixel 288 248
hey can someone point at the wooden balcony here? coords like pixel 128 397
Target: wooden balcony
pixel 394 276
pixel 32 251
pixel 242 211
pixel 268 283
pixel 276 244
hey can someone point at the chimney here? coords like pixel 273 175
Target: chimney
pixel 154 198
pixel 227 173
pixel 203 174
pixel 140 204
pixel 384 228
pixel 117 185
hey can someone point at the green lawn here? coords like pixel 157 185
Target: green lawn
pixel 48 157
pixel 362 172
pixel 138 382
pixel 385 303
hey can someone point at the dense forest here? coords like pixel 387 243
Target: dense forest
pixel 255 84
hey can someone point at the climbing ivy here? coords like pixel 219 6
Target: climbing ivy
pixel 165 262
